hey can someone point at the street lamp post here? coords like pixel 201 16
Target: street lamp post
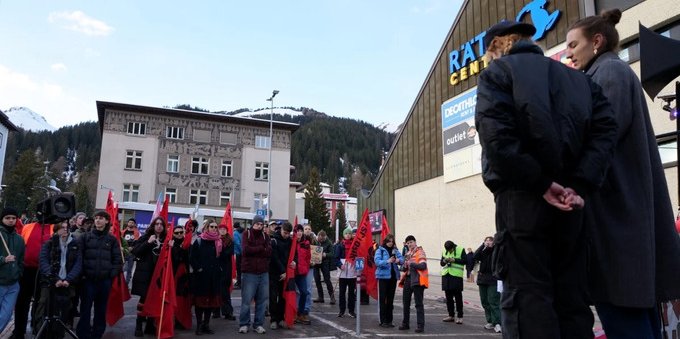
pixel 269 166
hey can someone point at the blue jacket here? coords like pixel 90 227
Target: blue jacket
pixel 383 267
pixel 237 242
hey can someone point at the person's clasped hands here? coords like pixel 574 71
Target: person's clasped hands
pixel 563 198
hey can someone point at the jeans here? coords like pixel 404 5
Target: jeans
pixel 457 307
pixel 8 297
pixel 540 254
pixel 129 264
pixel 93 293
pixel 254 286
pixel 629 323
pixel 308 300
pixel 386 289
pixel 417 292
pixel 490 298
pixel 348 294
pixel 301 283
pixel 323 269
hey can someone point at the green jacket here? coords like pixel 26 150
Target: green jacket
pixel 10 273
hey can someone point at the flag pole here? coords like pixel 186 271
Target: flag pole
pixel 4 243
pixel 160 322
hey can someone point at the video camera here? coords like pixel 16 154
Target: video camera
pixel 56 208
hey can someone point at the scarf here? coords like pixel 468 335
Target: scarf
pixel 63 245
pixel 213 236
pixel 347 243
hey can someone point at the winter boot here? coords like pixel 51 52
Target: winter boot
pixel 205 328
pixel 150 327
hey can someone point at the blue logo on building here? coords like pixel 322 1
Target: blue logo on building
pixel 541 18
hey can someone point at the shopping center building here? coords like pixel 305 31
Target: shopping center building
pixel 431 184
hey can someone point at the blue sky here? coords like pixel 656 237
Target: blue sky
pixel 359 59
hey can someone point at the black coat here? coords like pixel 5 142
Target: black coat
pixel 146 256
pixel 205 266
pixel 485 275
pixel 540 121
pixel 635 250
pixel 101 255
pixel 50 260
pixel 225 261
pixel 280 254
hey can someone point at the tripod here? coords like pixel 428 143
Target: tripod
pixel 52 321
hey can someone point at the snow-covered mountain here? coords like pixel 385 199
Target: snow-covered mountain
pixel 390 127
pixel 277 110
pixel 25 118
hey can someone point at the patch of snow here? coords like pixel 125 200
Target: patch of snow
pixel 281 111
pixel 31 121
pixel 390 127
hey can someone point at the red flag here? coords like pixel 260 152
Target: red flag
pixel 289 294
pixel 166 323
pixel 154 294
pixel 361 248
pixel 188 234
pixel 119 293
pixel 183 310
pixel 229 222
pixel 296 222
pixel 385 229
pixel 164 213
pixel 19 226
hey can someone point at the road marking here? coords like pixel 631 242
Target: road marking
pixel 448 335
pixel 336 326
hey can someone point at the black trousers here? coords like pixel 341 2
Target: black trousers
pixel 277 305
pixel 418 292
pixel 386 289
pixel 318 271
pixel 27 289
pixel 457 307
pixel 348 295
pixel 225 293
pixel 540 254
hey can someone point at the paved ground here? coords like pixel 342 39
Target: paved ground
pixel 326 324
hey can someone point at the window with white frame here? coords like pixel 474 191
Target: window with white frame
pixel 131 192
pixel 225 197
pixel 226 168
pixel 171 193
pixel 200 196
pixel 261 141
pixel 173 163
pixel 199 165
pixel 260 201
pixel 136 128
pixel 133 160
pixel 172 132
pixel 261 170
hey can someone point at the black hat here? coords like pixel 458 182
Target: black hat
pixel 409 238
pixel 506 27
pixel 257 219
pixel 8 211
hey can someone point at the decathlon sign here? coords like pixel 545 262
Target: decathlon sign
pixel 461 148
pixel 467 60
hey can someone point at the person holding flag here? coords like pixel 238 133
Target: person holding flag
pixel 11 264
pixel 281 243
pixel 303 263
pixel 387 260
pixel 102 261
pixel 347 275
pixel 204 258
pixel 180 262
pixel 146 252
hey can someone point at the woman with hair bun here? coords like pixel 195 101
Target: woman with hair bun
pixel 632 212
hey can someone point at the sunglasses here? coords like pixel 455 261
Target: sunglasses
pixel 212 226
pixel 179 232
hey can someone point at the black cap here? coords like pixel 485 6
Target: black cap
pixel 8 211
pixel 506 27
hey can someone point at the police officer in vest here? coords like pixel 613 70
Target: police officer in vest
pixel 453 265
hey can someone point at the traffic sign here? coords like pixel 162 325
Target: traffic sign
pixel 261 212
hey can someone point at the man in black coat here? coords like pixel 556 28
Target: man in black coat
pixel 281 243
pixel 102 261
pixel 547 136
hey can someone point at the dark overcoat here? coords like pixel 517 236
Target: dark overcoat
pixel 635 250
pixel 146 256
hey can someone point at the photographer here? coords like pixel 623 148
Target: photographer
pixel 60 266
pixel 453 262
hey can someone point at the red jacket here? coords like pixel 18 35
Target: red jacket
pixel 34 242
pixel 304 257
pixel 256 251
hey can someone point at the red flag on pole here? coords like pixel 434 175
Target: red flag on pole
pixel 154 294
pixel 119 290
pixel 166 323
pixel 188 234
pixel 296 222
pixel 385 229
pixel 361 248
pixel 164 213
pixel 289 294
pixel 229 222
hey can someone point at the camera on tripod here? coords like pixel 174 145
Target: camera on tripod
pixel 56 208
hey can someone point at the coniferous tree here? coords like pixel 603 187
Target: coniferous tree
pixel 25 182
pixel 341 217
pixel 315 205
